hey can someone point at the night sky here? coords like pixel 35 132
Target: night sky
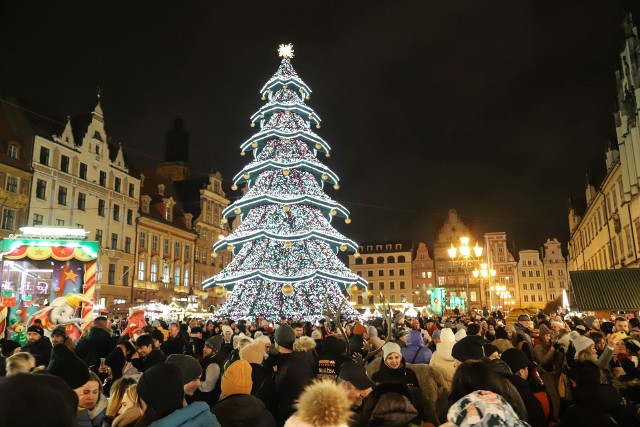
pixel 497 109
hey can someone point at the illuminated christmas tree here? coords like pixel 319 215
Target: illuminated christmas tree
pixel 285 248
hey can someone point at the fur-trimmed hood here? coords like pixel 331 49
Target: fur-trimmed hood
pixel 304 343
pixel 323 403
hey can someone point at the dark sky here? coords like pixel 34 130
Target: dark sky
pixel 494 108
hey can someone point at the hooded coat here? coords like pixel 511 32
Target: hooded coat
pixel 597 405
pixel 296 370
pixel 196 414
pixel 415 351
pixel 40 350
pixel 97 344
pixel 240 410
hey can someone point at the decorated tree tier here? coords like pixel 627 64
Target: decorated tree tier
pixel 285 248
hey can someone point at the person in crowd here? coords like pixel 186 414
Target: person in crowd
pixel 264 386
pixel 415 351
pixel 442 360
pixel 39 346
pixel 298 329
pixel 175 343
pixel 211 363
pixel 331 357
pixel 130 410
pixel 592 323
pixel 375 342
pixel 491 352
pixel 116 361
pixel 482 408
pixel 67 365
pixel 502 340
pixel 208 330
pixel 9 347
pixel 353 378
pixel 357 339
pixel 92 404
pixel 322 404
pixel 146 356
pixel 295 370
pixel 622 326
pixel 585 349
pixel 59 336
pixel 20 363
pixel 549 361
pixel 227 334
pixel 161 396
pixel 594 403
pixel 37 400
pixel 523 336
pixel 469 347
pixel 460 334
pixel 237 407
pixel 490 336
pixel 196 343
pixel 519 364
pixel 158 339
pixel 191 372
pixel 116 395
pixel 394 367
pixel 389 405
pixel 98 344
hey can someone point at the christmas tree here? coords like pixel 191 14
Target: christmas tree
pixel 285 249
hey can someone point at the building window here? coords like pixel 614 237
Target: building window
pixel 391 272
pixel 132 190
pixel 177 250
pixel 64 164
pixel 393 298
pixel 392 285
pixel 401 285
pixel 127 245
pixel 99 236
pixel 112 274
pixel 154 271
pixel 401 258
pixel 526 298
pixel 381 285
pixel 186 277
pixel 552 297
pixel 83 171
pixel 44 156
pixel 358 261
pixel 165 247
pixel 125 276
pixel 143 239
pixel 401 272
pixel 117 185
pixel 8 219
pixel 165 273
pixel 141 269
pixel 380 272
pixel 154 243
pixel 12 184
pixel 60 222
pixel 369 273
pixel 167 215
pixel 187 253
pixel 13 152
pixel 369 260
pixel 37 219
pixel 176 275
pixel 62 196
pixel 539 286
pixel 82 201
pixel 116 212
pixel 129 217
pixel 145 206
pixel 539 298
pixel 103 178
pixel 101 207
pixel 41 189
pixel 114 240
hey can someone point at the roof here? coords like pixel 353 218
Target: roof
pixel 189 192
pixel 595 290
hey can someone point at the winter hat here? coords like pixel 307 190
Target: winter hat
pixel 582 343
pixel 632 345
pixel 515 358
pixel 460 334
pixel 215 342
pixel 190 369
pixel 373 332
pixel 588 321
pixel 558 323
pixel 156 324
pixel 265 339
pixel 544 331
pixel 356 374
pixel 607 327
pixel 510 328
pixel 581 329
pixel 436 334
pixel 467 348
pixel 358 329
pixel 415 324
pixel 489 349
pixel 447 340
pixel 398 316
pixel 389 348
pixel 226 328
pixel 316 334
pixel 239 341
pixel 161 387
pixel 8 346
pixel 253 353
pixel 65 364
pixel 322 403
pixel 483 408
pixel 524 318
pixel 59 331
pixel 37 329
pixel 237 378
pixel 285 337
pixel 242 328
pixel 196 330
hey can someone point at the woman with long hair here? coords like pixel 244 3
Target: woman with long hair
pixel 21 362
pixel 116 395
pixel 92 404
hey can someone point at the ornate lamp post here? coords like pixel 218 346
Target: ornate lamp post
pixel 467 257
pixel 485 273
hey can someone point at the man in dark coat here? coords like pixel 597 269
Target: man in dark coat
pixel 519 364
pixel 211 363
pixel 146 355
pixel 176 343
pixel 295 371
pixel 38 346
pixel 96 345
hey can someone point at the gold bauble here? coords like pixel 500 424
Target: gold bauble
pixel 325 177
pixel 219 291
pixel 253 125
pixel 287 289
pixel 318 146
pixel 262 116
pixel 318 126
pixel 356 254
pixel 301 90
pixel 286 172
pixel 237 211
pixel 343 248
pixel 214 254
pixel 287 245
pixel 369 294
pixel 308 97
pixel 310 117
pixel 347 221
pixel 333 212
pixel 230 248
pixel 224 221
pixel 263 97
pixel 242 153
pixel 327 155
pixel 286 208
pixel 285 86
pixel 254 144
pixel 246 175
pixel 336 186
pixel 353 289
pixel 234 187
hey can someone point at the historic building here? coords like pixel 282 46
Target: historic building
pixel 604 235
pixel 387 268
pixel 555 270
pixel 423 271
pixel 82 180
pixel 501 290
pixel 531 280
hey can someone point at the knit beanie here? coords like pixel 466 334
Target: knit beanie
pixel 607 327
pixel 373 332
pixel 447 340
pixel 544 331
pixel 470 347
pixel 582 343
pixel 237 378
pixel 37 329
pixel 161 387
pixel 316 334
pixel 515 358
pixel 189 367
pixel 254 352
pixel 358 329
pixel 510 328
pixel 8 346
pixel 588 321
pixel 285 337
pixel 65 364
pixel 226 328
pixel 389 348
pixel 59 331
pixel 265 339
pixel 436 334
pixel 460 335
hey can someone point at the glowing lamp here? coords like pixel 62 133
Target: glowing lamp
pixel 452 251
pixel 287 289
pixel 464 241
pixel 477 250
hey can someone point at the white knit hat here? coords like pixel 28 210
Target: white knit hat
pixel 582 343
pixel 226 328
pixel 447 340
pixel 460 334
pixel 389 348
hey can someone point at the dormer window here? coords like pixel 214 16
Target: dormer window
pixel 146 203
pixel 13 151
pixel 161 189
pixel 168 212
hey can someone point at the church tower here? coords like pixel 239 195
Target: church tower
pixel 176 154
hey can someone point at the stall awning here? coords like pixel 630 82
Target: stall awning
pixel 596 290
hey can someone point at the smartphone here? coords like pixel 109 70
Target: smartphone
pixel 102 359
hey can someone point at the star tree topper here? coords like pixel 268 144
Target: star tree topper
pixel 285 50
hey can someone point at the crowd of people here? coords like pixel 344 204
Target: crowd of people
pixel 459 370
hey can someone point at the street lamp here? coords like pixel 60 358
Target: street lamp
pixel 486 274
pixel 462 255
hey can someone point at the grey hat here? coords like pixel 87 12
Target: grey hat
pixel 285 337
pixel 190 369
pixel 215 343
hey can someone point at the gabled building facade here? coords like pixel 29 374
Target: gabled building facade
pixel 423 271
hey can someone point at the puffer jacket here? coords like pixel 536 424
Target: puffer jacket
pixel 196 414
pixel 239 410
pixel 415 351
